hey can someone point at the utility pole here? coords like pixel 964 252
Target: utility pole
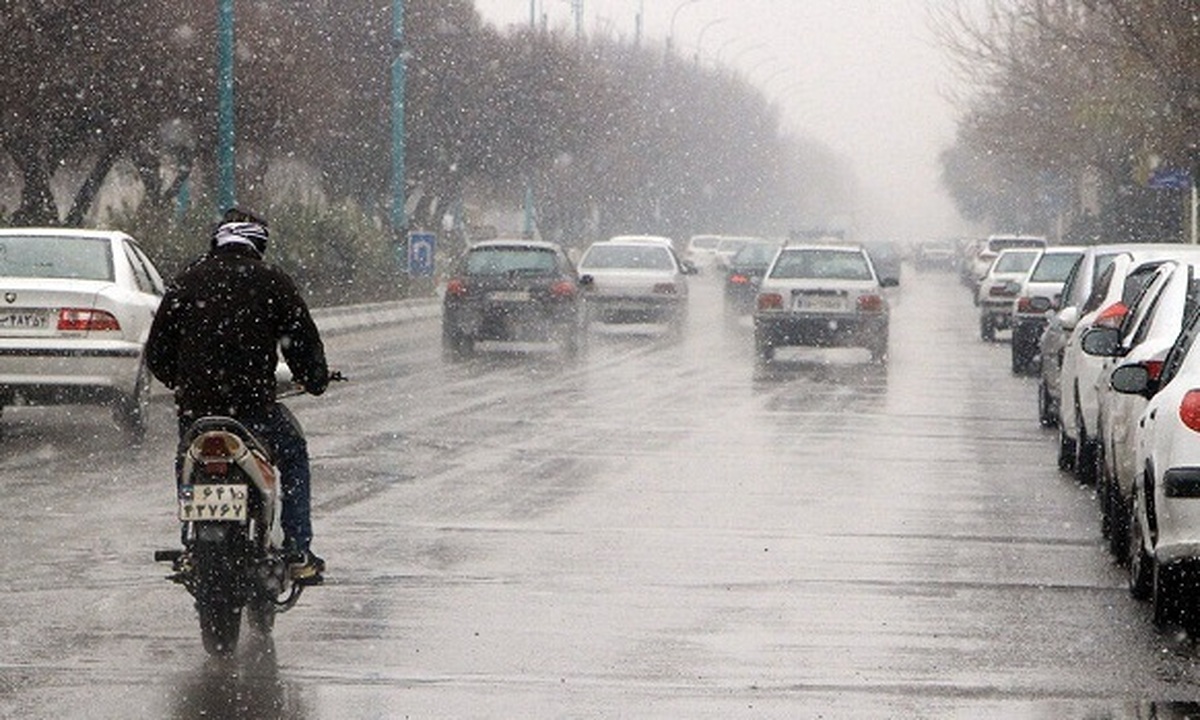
pixel 226 183
pixel 577 9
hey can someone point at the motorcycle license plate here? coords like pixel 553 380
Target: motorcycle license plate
pixel 222 503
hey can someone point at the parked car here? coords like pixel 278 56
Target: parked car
pixel 1000 287
pixel 512 290
pixel 985 254
pixel 1039 296
pixel 1124 278
pixel 1154 321
pixel 1164 506
pixel 745 273
pixel 886 257
pixel 634 281
pixel 77 308
pixel 1076 290
pixel 823 296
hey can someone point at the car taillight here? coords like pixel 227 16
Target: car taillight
pixel 1154 368
pixel 82 320
pixel 870 303
pixel 562 289
pixel 770 301
pixel 1003 290
pixel 1189 409
pixel 739 279
pixel 1112 315
pixel 456 287
pixel 665 289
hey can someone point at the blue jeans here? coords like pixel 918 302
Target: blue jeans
pixel 280 431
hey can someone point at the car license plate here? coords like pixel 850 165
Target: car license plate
pixel 819 302
pixel 18 319
pixel 509 296
pixel 225 503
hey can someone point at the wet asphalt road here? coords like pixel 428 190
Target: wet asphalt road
pixel 658 530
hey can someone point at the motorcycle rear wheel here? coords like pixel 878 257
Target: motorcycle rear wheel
pixel 219 611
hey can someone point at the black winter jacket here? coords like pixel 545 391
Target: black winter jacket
pixel 215 335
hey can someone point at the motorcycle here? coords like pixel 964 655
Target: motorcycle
pixel 233 557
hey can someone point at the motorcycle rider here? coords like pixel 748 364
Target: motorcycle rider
pixel 214 340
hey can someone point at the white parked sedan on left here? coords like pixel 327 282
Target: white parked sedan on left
pixel 75 311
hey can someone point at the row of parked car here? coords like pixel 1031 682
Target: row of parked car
pixel 1111 346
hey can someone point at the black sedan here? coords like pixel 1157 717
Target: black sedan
pixel 744 273
pixel 512 291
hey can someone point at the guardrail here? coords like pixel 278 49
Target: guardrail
pixel 349 317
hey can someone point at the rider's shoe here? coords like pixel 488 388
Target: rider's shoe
pixel 306 567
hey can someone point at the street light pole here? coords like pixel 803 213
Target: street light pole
pixel 700 39
pixel 399 216
pixel 226 184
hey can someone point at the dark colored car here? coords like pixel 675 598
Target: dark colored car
pixel 744 274
pixel 513 291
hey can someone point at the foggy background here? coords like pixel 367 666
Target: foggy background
pixel 863 77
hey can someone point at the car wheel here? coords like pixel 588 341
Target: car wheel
pixel 763 349
pixel 1023 353
pixel 130 410
pixel 1118 522
pixel 1066 451
pixel 1141 572
pixel 456 345
pixel 987 330
pixel 1166 594
pixel 1045 406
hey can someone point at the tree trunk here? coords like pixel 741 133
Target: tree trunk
pixel 37 201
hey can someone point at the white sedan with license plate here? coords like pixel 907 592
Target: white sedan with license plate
pixel 635 281
pixel 75 311
pixel 821 296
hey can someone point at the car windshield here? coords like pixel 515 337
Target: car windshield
pixel 510 260
pixel 1016 262
pixel 731 246
pixel 755 254
pixel 704 243
pixel 1054 267
pixel 629 257
pixel 71 258
pixel 819 264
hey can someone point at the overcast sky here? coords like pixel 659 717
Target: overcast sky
pixel 862 76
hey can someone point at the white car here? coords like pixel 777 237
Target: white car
pixel 818 295
pixel 1000 287
pixel 1112 294
pixel 1039 296
pixel 1164 509
pixel 75 311
pixel 987 250
pixel 635 281
pixel 1154 321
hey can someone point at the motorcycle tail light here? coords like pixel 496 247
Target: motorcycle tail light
pixel 870 303
pixel 738 279
pixel 83 320
pixel 1189 409
pixel 456 287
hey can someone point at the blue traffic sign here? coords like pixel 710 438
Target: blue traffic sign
pixel 1170 179
pixel 420 253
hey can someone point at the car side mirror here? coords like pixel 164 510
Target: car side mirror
pixel 1068 317
pixel 1133 379
pixel 586 280
pixel 1040 304
pixel 689 267
pixel 1102 341
pixel 889 282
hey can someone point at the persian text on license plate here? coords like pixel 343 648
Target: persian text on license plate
pixel 213 502
pixel 16 319
pixel 819 302
pixel 509 296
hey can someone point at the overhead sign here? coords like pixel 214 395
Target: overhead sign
pixel 420 253
pixel 1166 178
